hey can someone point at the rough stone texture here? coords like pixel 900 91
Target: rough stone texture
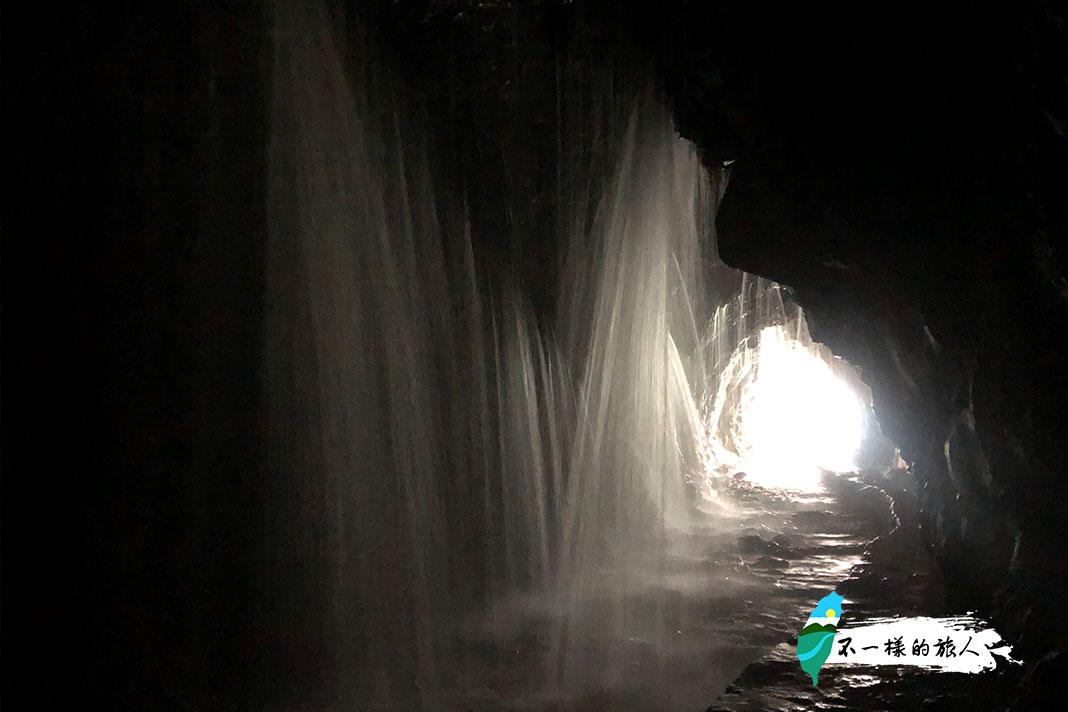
pixel 904 171
pixel 896 576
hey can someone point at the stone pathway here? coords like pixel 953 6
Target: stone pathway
pixel 730 597
pixel 728 593
pixel 896 577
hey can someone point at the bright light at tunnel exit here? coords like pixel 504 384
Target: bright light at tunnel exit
pixel 797 417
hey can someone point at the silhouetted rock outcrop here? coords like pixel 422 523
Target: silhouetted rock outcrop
pixel 904 171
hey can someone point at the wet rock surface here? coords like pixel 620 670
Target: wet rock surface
pixel 927 246
pixel 902 171
pixel 895 576
pixel 960 327
pixel 732 590
pixel 928 249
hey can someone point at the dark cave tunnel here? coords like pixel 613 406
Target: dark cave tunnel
pixel 900 171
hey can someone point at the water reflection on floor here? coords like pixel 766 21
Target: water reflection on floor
pixel 726 593
pixel 896 576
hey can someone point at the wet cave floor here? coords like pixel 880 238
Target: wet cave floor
pixel 894 576
pixel 733 598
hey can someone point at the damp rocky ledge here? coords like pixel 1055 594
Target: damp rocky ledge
pixel 911 198
pixel 896 576
pixel 915 207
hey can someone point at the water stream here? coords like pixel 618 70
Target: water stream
pixel 470 509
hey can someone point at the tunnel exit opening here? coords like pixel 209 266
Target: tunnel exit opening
pixel 786 410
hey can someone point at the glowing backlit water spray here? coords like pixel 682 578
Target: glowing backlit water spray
pixel 782 412
pixel 437 454
pixel 798 416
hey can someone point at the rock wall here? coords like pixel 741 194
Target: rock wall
pixel 905 173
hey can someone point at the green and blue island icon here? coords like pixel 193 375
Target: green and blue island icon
pixel 816 639
pixel 961 644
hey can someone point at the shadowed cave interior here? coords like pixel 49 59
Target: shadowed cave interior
pixel 553 355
